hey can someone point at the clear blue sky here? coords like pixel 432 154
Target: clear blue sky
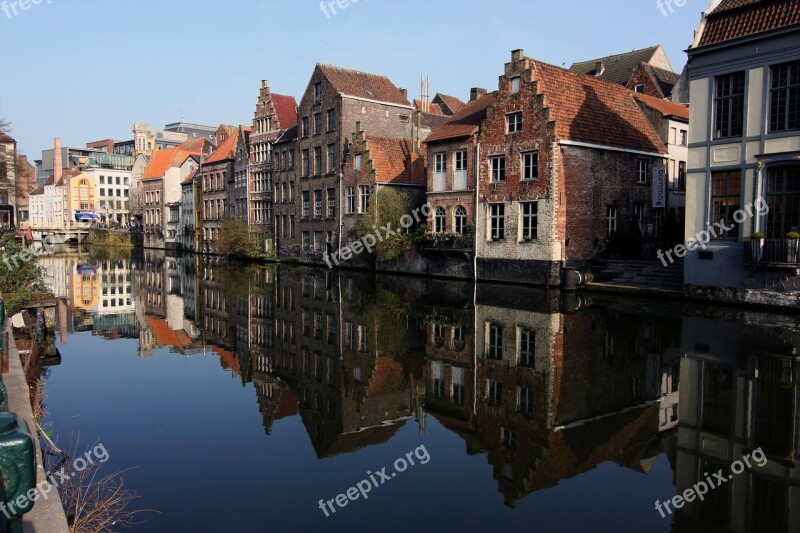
pixel 85 70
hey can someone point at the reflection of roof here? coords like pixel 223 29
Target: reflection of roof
pixel 351 442
pixel 666 107
pixel 228 359
pixel 617 68
pixel 363 85
pixel 388 377
pixel 289 405
pixel 163 333
pixel 733 19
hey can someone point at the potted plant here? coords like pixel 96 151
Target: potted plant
pixel 792 246
pixel 757 246
pixel 496 237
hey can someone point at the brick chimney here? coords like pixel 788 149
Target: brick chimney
pixel 404 92
pixel 58 163
pixel 475 93
pixel 517 55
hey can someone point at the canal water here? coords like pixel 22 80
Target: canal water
pixel 264 399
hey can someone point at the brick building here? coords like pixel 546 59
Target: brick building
pixel 285 183
pixel 239 206
pixel 565 166
pixel 8 167
pixel 216 175
pixel 274 115
pixel 335 99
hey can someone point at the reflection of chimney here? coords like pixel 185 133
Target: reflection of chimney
pixel 58 163
pixel 475 93
pixel 62 321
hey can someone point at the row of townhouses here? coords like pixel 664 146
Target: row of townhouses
pixel 555 168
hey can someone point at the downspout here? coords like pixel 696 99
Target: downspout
pixel 475 235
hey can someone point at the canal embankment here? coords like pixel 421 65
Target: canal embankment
pixel 47 514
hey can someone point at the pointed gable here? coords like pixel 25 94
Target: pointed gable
pixel 733 19
pixel 227 149
pixel 363 85
pixel 464 123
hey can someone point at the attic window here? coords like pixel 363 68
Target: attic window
pixel 515 85
pixel 405 119
pixel 318 92
pixel 639 88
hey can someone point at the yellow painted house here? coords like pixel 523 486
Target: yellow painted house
pixel 81 195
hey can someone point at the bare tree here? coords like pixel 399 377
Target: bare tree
pixel 5 125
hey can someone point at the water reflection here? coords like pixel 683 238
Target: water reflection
pixel 546 385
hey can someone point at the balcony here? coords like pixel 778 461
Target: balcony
pixel 780 253
pixel 449 243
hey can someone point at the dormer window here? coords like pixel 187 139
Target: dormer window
pixel 639 88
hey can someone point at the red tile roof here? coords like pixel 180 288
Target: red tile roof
pixel 465 122
pixel 159 164
pixel 590 110
pixel 227 149
pixel 396 161
pixel 433 108
pixel 664 106
pixel 6 138
pixel 363 85
pixel 163 333
pixel 450 101
pixel 733 19
pixel 286 109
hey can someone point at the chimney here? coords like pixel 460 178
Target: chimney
pixel 475 93
pixel 263 84
pixel 425 98
pixel 404 92
pixel 517 55
pixel 58 163
pixel 599 68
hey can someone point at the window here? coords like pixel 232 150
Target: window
pixel 364 193
pixel 498 168
pixel 317 123
pixel 440 172
pixel 783 198
pixel 529 212
pixel 318 92
pixel 331 119
pixel 611 220
pixel 306 127
pixel 530 165
pixel 306 204
pixel 307 241
pixel 639 88
pixel 439 220
pixel 306 164
pixel 351 200
pixel 357 162
pixel 641 171
pixel 681 182
pixel 331 158
pixel 319 242
pixel 784 108
pixel 460 220
pixel 525 401
pixel 494 341
pixel 497 221
pixel 318 161
pixel 527 347
pixel 515 85
pixel 729 105
pixel 318 204
pixel 638 213
pixel 331 203
pixel 514 122
pixel 726 200
pixel 684 138
pixel 460 178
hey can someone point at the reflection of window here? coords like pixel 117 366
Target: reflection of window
pixel 525 403
pixel 458 338
pixel 718 394
pixel 459 385
pixel 494 392
pixel 438 335
pixel 527 347
pixel 350 337
pixel 437 379
pixel 509 437
pixel 494 341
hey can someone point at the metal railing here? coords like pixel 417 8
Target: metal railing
pixel 772 251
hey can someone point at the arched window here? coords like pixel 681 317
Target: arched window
pixel 460 220
pixel 440 220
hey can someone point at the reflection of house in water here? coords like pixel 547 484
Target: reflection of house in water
pixel 553 390
pixel 739 392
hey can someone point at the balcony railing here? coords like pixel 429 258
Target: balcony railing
pixel 464 243
pixel 773 252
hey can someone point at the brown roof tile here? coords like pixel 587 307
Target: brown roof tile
pixel 733 19
pixel 395 161
pixel 364 85
pixel 455 104
pixel 464 123
pixel 227 149
pixel 286 109
pixel 618 67
pixel 664 106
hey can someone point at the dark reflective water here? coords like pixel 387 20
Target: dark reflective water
pixel 244 396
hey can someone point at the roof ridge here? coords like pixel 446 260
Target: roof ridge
pixel 354 71
pixel 655 47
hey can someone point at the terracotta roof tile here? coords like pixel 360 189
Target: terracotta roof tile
pixel 286 109
pixel 434 109
pixel 363 85
pixel 464 123
pixel 587 109
pixel 733 19
pixel 395 161
pixel 664 106
pixel 4 137
pixel 227 149
pixel 159 164
pixel 455 104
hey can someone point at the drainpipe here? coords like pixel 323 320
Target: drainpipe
pixel 475 235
